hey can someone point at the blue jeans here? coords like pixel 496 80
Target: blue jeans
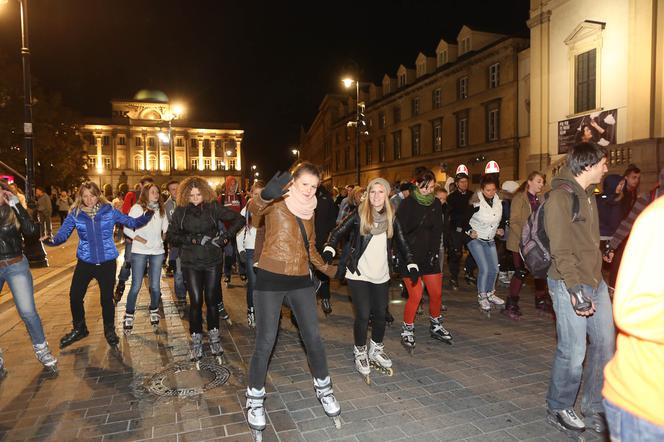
pixel 178 278
pixel 572 330
pixel 19 278
pixel 251 277
pixel 125 270
pixel 486 258
pixel 627 427
pixel 138 263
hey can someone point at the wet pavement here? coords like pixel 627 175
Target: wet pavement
pixel 488 386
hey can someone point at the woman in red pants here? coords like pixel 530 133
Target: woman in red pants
pixel 421 218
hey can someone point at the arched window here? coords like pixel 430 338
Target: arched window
pixel 138 162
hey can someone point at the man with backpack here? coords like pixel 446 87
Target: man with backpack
pixel 579 294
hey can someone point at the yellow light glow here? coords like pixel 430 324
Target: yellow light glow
pixel 295 151
pixel 348 82
pixel 228 153
pixel 178 109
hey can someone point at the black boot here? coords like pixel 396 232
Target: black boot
pixel 389 319
pixel 110 335
pixel 79 332
pixel 325 305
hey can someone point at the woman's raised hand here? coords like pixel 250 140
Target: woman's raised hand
pixel 275 187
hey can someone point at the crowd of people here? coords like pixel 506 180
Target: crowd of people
pixel 289 237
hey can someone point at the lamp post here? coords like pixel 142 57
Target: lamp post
pixel 296 152
pixel 34 249
pixel 348 83
pixel 176 112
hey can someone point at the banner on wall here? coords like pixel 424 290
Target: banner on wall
pixel 598 128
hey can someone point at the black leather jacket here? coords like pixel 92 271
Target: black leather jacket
pixel 350 226
pixel 11 238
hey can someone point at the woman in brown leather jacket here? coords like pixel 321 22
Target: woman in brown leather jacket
pixel 284 272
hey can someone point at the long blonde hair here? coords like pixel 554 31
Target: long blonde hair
pixel 144 198
pixel 365 210
pixel 94 189
pixel 192 182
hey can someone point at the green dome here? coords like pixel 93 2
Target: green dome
pixel 151 95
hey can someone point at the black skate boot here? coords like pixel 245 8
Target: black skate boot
pixel 408 337
pixel 111 337
pixel 439 332
pixel 251 317
pixel 79 332
pixel 223 314
pixel 326 306
pixel 512 309
pixel 227 281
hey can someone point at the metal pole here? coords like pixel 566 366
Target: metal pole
pixel 171 149
pixel 34 250
pixel 357 133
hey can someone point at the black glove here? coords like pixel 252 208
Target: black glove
pixel 327 256
pixel 413 273
pixel 580 297
pixel 275 187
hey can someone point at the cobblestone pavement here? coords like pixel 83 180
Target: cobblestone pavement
pixel 488 386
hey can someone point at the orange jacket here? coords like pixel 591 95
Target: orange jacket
pixel 634 378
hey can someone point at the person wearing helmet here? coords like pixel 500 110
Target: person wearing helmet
pixel 457 203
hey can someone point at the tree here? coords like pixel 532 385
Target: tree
pixel 58 149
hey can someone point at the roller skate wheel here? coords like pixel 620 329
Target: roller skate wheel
pixel 390 371
pixel 229 322
pixel 367 380
pixel 220 359
pixel 337 421
pixel 198 365
pixel 257 435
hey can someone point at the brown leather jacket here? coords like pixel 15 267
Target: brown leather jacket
pixel 283 250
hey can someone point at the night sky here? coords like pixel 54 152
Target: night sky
pixel 266 65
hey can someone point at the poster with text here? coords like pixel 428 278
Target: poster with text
pixel 597 127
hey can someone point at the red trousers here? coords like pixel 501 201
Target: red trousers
pixel 434 285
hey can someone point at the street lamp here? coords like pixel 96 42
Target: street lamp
pixel 348 83
pixel 34 249
pixel 296 152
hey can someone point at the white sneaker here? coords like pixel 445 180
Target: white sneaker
pixel 567 419
pixel 493 299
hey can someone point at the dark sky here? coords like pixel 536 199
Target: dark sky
pixel 266 65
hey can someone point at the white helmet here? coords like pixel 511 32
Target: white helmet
pixel 462 170
pixel 492 167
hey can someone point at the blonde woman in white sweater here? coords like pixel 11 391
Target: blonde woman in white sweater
pixel 484 223
pixel 148 247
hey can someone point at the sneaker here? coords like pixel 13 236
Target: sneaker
pixel 567 419
pixel 493 299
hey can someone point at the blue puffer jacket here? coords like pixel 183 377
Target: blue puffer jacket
pixel 96 243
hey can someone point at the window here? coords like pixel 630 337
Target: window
pixel 217 144
pixel 381 120
pixel 152 163
pixel 150 141
pixel 231 166
pixel 138 163
pixel 220 164
pixel 179 142
pixel 493 121
pixel 206 143
pixel 416 106
pixel 494 75
pixel 415 146
pixel 194 142
pixel 367 153
pixel 442 58
pixel 105 140
pixel 107 163
pixel 435 98
pixel 437 132
pixel 462 129
pixel 465 45
pixel 122 141
pixel 396 145
pixel 194 164
pixel 92 162
pixel 421 69
pixel 402 80
pixel 138 141
pixel 462 88
pixel 584 79
pixel 396 113
pixel 381 149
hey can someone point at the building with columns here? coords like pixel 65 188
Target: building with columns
pixel 457 105
pixel 149 135
pixel 597 71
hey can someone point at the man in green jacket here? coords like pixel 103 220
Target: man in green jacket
pixel 578 291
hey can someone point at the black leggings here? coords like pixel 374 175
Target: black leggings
pixel 368 298
pixel 268 308
pixel 201 283
pixel 84 273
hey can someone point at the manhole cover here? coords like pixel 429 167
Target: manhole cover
pixel 183 380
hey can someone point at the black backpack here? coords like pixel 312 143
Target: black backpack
pixel 535 246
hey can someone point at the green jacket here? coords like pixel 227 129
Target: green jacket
pixel 575 251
